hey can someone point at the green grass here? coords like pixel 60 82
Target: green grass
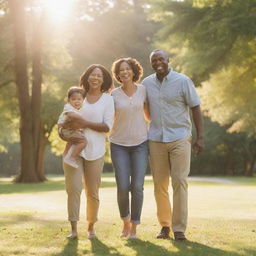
pixel 221 222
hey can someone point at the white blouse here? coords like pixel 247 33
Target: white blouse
pixel 130 127
pixel 98 112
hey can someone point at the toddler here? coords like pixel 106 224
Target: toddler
pixel 76 97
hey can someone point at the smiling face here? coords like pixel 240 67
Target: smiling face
pixel 125 72
pixel 159 62
pixel 95 79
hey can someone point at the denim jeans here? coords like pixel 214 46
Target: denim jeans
pixel 130 164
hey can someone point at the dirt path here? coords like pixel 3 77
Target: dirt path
pixel 201 179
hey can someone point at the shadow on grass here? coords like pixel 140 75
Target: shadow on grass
pixel 13 218
pixel 13 188
pixel 99 248
pixel 52 229
pixel 184 249
pixel 69 249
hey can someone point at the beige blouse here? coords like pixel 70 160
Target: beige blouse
pixel 130 127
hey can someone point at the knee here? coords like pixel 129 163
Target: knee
pixel 123 189
pixel 160 191
pixel 93 194
pixel 137 188
pixel 179 182
pixel 73 191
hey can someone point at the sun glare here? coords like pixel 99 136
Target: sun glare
pixel 58 10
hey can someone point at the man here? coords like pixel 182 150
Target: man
pixel 170 96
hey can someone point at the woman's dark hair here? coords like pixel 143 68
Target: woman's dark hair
pixel 107 79
pixel 133 63
pixel 75 89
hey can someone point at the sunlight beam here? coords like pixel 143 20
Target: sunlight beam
pixel 58 10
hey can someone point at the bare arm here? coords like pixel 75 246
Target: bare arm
pixel 75 121
pixel 198 145
pixel 146 111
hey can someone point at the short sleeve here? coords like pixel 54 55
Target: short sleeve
pixel 109 112
pixel 62 118
pixel 144 93
pixel 67 108
pixel 191 97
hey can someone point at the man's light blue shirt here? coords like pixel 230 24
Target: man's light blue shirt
pixel 169 104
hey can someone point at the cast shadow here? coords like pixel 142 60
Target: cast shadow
pixel 184 248
pixel 70 248
pixel 99 248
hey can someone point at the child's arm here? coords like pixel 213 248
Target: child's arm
pixel 75 121
pixel 73 116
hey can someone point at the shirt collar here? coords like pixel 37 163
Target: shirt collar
pixel 167 77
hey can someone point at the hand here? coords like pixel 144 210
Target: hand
pixel 198 146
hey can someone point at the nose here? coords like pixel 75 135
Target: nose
pixel 158 62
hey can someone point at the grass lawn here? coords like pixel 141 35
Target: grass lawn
pixel 222 221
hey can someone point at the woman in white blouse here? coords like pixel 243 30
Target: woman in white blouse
pixel 129 146
pixel 97 118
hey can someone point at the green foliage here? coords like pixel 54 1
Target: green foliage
pixel 214 43
pixel 8 102
pixel 57 145
pixel 9 122
pixel 98 32
pixel 225 153
pixel 202 38
pixel 229 98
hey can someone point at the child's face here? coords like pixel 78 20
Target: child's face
pixel 76 100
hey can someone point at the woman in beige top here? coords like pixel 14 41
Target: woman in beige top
pixel 129 146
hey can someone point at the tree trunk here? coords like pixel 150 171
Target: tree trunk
pixel 27 171
pixel 36 94
pixel 230 166
pixel 250 165
pixel 40 157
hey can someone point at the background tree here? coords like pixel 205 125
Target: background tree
pixel 28 70
pixel 211 41
pixel 55 64
pixel 28 165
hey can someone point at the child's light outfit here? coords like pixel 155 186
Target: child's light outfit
pixel 68 133
pixel 68 108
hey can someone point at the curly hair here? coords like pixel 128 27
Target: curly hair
pixel 133 63
pixel 107 79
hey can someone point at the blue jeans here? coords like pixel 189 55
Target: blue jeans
pixel 130 164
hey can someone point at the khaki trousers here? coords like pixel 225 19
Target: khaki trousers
pixel 171 159
pixel 91 171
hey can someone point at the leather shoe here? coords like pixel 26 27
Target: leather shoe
pixel 164 233
pixel 179 236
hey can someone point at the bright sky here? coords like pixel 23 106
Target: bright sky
pixel 59 10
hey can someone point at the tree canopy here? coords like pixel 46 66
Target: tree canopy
pixel 211 41
pixel 214 42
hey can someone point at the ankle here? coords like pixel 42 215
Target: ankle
pixel 90 227
pixel 73 226
pixel 133 229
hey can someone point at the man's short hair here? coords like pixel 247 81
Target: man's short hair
pixel 158 50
